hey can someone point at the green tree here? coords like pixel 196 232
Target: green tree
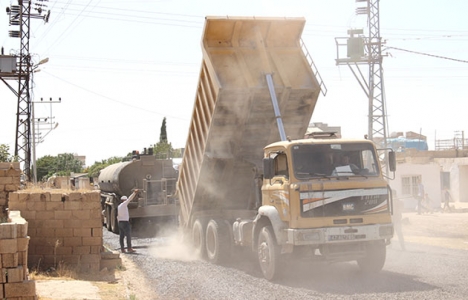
pixel 45 167
pixel 61 165
pixel 5 153
pixel 163 133
pixel 163 149
pixel 94 170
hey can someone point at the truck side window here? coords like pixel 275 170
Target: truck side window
pixel 281 165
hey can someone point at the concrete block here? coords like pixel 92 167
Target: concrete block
pixel 20 289
pixel 43 250
pixel 9 165
pixel 69 205
pixel 97 231
pixel 64 250
pixel 15 274
pixel 90 258
pixel 13 197
pixel 9 260
pixel 74 224
pixel 23 258
pixel 81 250
pixel 95 249
pixel 64 232
pixel 54 205
pixel 20 206
pixel 110 264
pixel 3 201
pixel 3 276
pixel 23 197
pixel 36 206
pixel 81 214
pixel 45 232
pixel 12 187
pixel 71 259
pixel 82 232
pixel 75 196
pixel 56 197
pixel 62 215
pixel 23 243
pixel 92 223
pixel 92 206
pixel 72 241
pixel 8 231
pixel 6 180
pixel 53 223
pixel 92 241
pixel 45 214
pixel 8 246
pixel 28 214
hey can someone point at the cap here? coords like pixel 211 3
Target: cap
pixel 123 198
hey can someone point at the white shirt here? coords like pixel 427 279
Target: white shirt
pixel 122 209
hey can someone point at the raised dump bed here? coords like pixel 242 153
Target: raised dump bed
pixel 234 117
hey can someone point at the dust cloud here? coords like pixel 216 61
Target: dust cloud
pixel 173 245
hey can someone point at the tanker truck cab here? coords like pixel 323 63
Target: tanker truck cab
pixel 327 197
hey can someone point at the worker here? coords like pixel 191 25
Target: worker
pixel 125 228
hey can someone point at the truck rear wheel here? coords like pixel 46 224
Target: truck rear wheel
pixel 113 221
pixel 268 253
pixel 374 260
pixel 218 244
pixel 198 238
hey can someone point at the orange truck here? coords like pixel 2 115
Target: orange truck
pixel 249 178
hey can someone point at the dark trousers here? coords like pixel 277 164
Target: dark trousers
pixel 125 230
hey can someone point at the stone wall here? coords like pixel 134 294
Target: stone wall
pixel 9 182
pixel 14 240
pixel 64 227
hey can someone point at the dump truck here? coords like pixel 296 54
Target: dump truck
pixel 250 178
pixel 154 178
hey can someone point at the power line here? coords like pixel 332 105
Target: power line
pixel 427 54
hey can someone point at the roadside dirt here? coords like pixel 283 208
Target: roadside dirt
pixel 126 282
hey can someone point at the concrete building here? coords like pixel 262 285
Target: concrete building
pixel 436 170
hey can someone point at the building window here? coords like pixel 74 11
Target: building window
pixel 409 185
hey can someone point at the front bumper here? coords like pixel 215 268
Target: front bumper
pixel 333 235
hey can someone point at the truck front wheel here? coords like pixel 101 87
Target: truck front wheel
pixel 218 244
pixel 268 253
pixel 198 238
pixel 374 260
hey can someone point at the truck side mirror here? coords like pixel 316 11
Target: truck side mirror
pixel 392 161
pixel 268 168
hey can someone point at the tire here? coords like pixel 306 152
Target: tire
pixel 108 216
pixel 268 253
pixel 113 221
pixel 198 238
pixel 374 260
pixel 218 242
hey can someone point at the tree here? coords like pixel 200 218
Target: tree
pixel 163 149
pixel 94 170
pixel 61 165
pixel 5 153
pixel 163 134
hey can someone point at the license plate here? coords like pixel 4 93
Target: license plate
pixel 346 237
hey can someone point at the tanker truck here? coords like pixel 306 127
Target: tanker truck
pixel 156 180
pixel 250 179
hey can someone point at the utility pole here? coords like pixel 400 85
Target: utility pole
pixel 36 134
pixel 361 50
pixel 20 15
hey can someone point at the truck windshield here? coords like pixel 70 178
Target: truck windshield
pixel 334 160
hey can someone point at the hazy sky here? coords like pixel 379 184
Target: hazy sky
pixel 121 66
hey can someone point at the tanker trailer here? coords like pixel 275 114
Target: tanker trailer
pixel 156 180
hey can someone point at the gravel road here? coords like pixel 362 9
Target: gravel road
pixel 434 266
